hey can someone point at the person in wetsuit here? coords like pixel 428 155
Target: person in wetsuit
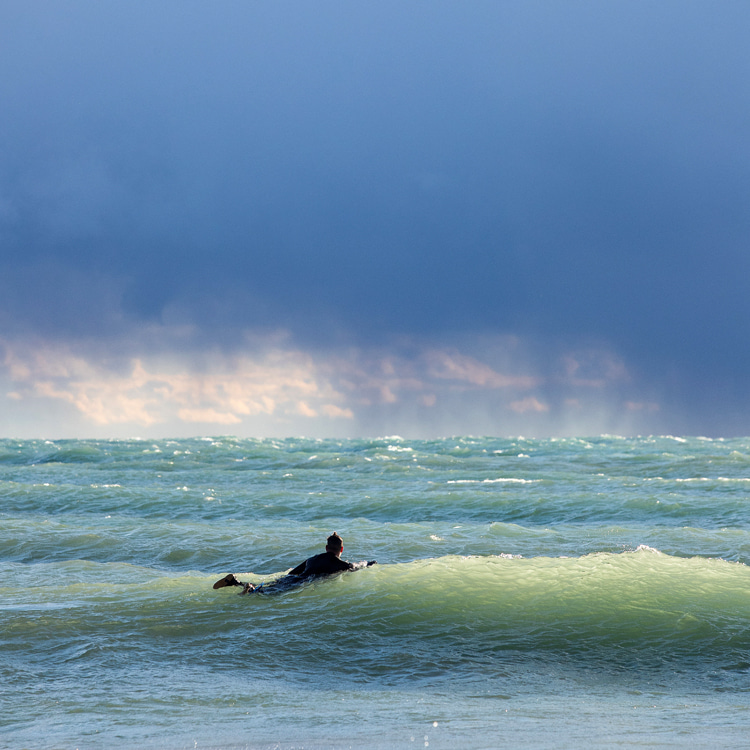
pixel 324 564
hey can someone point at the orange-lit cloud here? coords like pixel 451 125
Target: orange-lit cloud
pixel 279 384
pixel 451 365
pixel 528 404
pixel 149 393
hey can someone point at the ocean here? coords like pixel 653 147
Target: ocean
pixel 541 593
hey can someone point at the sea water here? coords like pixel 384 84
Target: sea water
pixel 528 593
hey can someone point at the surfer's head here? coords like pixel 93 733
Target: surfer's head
pixel 335 544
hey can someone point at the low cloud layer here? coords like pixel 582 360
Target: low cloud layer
pixel 277 389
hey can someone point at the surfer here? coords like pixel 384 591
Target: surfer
pixel 324 564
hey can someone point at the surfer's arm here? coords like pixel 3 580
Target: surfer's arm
pixel 363 564
pixel 299 570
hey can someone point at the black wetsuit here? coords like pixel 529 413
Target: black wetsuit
pixel 323 564
pixel 317 566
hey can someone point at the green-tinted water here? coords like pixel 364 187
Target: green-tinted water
pixel 525 589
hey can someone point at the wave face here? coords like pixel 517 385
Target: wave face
pixel 508 571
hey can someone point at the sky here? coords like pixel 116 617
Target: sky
pixel 345 218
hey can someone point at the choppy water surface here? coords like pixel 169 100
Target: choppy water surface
pixel 538 592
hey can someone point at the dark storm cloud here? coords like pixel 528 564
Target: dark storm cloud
pixel 353 172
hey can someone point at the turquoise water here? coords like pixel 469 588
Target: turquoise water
pixel 540 593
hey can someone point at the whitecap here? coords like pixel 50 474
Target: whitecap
pixel 499 480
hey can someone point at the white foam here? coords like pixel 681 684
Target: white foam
pixel 499 480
